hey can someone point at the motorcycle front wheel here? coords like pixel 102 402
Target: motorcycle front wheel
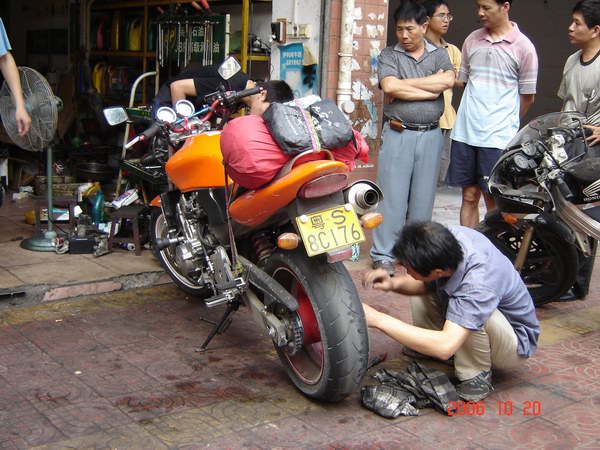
pixel 158 230
pixel 330 326
pixel 551 264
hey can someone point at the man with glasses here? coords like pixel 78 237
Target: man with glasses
pixel 499 66
pixel 579 90
pixel 439 21
pixel 412 74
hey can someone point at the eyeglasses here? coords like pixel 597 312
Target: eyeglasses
pixel 444 16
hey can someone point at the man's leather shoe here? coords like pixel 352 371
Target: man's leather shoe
pixel 569 296
pixel 385 265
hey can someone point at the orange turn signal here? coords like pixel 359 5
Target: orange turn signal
pixel 509 218
pixel 371 220
pixel 288 241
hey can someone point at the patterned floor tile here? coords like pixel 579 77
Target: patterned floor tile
pixel 141 406
pixel 86 418
pixel 59 337
pixel 211 423
pixel 199 393
pixel 261 377
pixel 531 399
pixel 58 393
pixel 289 433
pixel 578 382
pixel 386 437
pixel 22 431
pixel 460 430
pixel 20 351
pixel 32 374
pixel 533 434
pixel 348 418
pixel 108 373
pixel 131 436
pixel 582 418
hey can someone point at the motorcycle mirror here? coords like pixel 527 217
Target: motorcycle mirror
pixel 115 115
pixel 229 68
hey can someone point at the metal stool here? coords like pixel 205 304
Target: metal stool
pixel 133 213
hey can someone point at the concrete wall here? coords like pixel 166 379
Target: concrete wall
pixel 369 38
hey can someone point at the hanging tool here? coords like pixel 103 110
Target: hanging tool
pixel 178 41
pixel 159 44
pixel 202 6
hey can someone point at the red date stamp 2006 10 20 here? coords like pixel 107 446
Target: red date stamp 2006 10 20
pixel 501 408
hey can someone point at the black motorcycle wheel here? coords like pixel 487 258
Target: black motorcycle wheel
pixel 158 230
pixel 551 265
pixel 332 359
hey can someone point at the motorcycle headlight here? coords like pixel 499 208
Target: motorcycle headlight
pixel 364 196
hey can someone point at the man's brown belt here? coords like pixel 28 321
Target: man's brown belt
pixel 398 125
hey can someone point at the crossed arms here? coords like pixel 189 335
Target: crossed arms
pixel 414 89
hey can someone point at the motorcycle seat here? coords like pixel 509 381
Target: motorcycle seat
pixel 303 157
pixel 253 208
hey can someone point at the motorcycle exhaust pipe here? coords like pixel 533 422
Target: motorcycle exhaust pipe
pixel 364 196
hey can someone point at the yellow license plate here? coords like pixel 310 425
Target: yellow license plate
pixel 329 230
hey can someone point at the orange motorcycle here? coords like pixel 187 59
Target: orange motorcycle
pixel 276 250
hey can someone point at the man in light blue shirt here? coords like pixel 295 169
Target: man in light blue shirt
pixel 11 76
pixel 467 301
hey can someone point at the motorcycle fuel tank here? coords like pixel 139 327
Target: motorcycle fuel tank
pixel 198 164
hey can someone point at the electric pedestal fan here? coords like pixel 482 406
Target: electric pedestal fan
pixel 43 107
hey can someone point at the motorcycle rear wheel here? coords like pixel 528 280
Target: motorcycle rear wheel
pixel 158 230
pixel 333 358
pixel 551 265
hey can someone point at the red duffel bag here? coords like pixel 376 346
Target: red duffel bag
pixel 251 156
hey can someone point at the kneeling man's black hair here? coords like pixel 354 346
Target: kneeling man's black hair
pixel 425 246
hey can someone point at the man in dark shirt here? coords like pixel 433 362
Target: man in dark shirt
pixel 467 300
pixel 195 84
pixel 413 74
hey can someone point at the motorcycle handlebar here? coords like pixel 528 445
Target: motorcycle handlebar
pixel 564 189
pixel 152 131
pixel 234 97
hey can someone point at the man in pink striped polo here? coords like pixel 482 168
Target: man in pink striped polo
pixel 499 66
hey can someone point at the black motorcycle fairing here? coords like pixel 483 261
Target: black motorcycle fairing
pixel 516 205
pixel 584 180
pixel 543 220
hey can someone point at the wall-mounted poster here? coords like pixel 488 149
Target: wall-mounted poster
pixel 299 70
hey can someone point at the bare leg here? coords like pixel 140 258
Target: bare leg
pixel 490 202
pixel 181 89
pixel 469 209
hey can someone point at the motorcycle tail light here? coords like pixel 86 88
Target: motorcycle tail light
pixel 288 241
pixel 509 218
pixel 371 220
pixel 325 185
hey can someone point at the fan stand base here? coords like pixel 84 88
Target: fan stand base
pixel 39 243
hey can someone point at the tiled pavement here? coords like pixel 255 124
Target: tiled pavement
pixel 119 370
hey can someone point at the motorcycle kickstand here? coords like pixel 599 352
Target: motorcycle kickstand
pixel 220 326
